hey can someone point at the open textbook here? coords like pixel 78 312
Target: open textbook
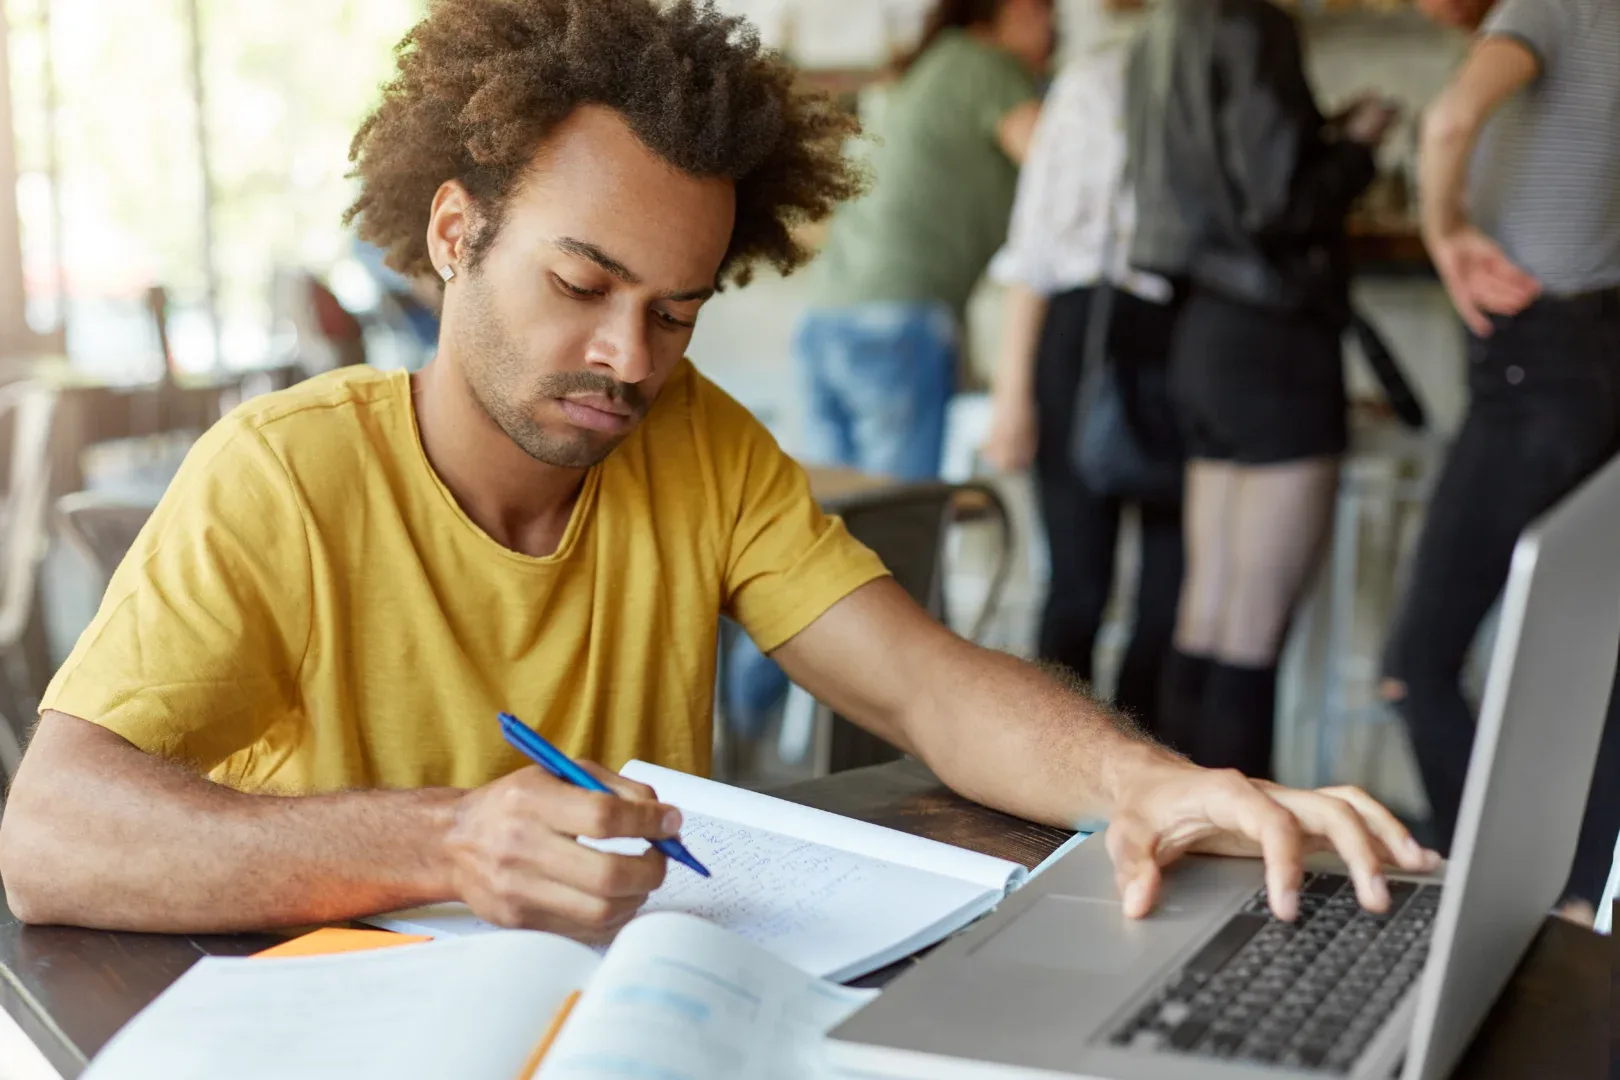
pixel 834 896
pixel 674 998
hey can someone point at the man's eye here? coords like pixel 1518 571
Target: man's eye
pixel 574 290
pixel 671 321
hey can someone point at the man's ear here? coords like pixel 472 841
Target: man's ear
pixel 450 225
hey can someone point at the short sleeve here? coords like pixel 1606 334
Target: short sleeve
pixel 1541 26
pixel 197 645
pixel 991 84
pixel 1046 190
pixel 786 561
pixel 1060 219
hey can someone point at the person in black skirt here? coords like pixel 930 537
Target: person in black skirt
pixel 1243 187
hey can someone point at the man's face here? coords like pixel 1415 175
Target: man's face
pixel 570 325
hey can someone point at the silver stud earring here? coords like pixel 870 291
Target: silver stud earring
pixel 447 272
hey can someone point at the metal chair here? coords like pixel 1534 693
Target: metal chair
pixel 101 528
pixel 908 527
pixel 1334 657
pixel 30 409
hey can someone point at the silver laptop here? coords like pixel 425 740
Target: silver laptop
pixel 1057 983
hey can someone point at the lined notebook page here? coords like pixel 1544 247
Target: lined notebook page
pixel 694 793
pixel 831 912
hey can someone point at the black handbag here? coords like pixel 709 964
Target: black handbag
pixel 1403 400
pixel 1109 449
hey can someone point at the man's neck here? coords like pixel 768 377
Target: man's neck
pixel 523 504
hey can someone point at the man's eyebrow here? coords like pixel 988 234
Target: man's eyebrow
pixel 599 257
pixel 594 254
pixel 690 294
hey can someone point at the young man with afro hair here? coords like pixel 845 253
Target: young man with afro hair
pixel 285 711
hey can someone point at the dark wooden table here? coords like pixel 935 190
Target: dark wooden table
pixel 70 990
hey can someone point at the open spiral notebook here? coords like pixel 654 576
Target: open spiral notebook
pixel 834 896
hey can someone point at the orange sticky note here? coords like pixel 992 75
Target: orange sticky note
pixel 532 1066
pixel 332 939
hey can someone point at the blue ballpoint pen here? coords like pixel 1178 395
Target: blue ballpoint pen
pixel 532 745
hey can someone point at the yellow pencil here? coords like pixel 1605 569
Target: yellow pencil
pixel 532 1066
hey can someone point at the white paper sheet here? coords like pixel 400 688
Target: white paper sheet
pixel 471 1008
pixel 680 999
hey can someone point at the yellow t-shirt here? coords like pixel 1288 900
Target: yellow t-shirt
pixel 309 610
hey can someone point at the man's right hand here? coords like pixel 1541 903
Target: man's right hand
pixel 517 863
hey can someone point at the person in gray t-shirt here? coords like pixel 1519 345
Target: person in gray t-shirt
pixel 1520 174
pixel 1538 106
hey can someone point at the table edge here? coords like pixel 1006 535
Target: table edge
pixel 38 1028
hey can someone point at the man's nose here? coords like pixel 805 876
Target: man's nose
pixel 622 346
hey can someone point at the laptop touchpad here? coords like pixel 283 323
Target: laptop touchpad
pixel 1070 933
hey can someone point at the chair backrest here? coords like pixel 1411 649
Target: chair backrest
pixel 31 408
pixel 101 528
pixel 907 528
pixel 27 410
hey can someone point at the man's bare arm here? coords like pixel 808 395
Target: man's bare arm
pixel 993 727
pixel 1007 734
pixel 1478 275
pixel 1498 68
pixel 99 833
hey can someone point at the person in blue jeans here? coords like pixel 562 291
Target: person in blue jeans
pixel 878 352
pixel 877 379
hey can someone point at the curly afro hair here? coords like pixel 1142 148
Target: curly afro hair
pixel 482 82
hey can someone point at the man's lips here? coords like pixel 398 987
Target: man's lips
pixel 596 413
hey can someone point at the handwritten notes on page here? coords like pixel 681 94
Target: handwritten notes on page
pixel 693 793
pixel 830 912
pixel 835 896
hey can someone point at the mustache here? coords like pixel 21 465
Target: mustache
pixel 590 382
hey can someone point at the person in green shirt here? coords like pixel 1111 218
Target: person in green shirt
pixel 877 352
pixel 878 349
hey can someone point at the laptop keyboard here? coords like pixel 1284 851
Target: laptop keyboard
pixel 1308 995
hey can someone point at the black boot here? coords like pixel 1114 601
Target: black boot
pixel 1240 720
pixel 1181 701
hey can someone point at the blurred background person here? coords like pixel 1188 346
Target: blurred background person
pixel 879 349
pixel 1073 215
pixel 1520 176
pixel 1243 187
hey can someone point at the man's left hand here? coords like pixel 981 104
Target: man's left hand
pixel 1173 809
